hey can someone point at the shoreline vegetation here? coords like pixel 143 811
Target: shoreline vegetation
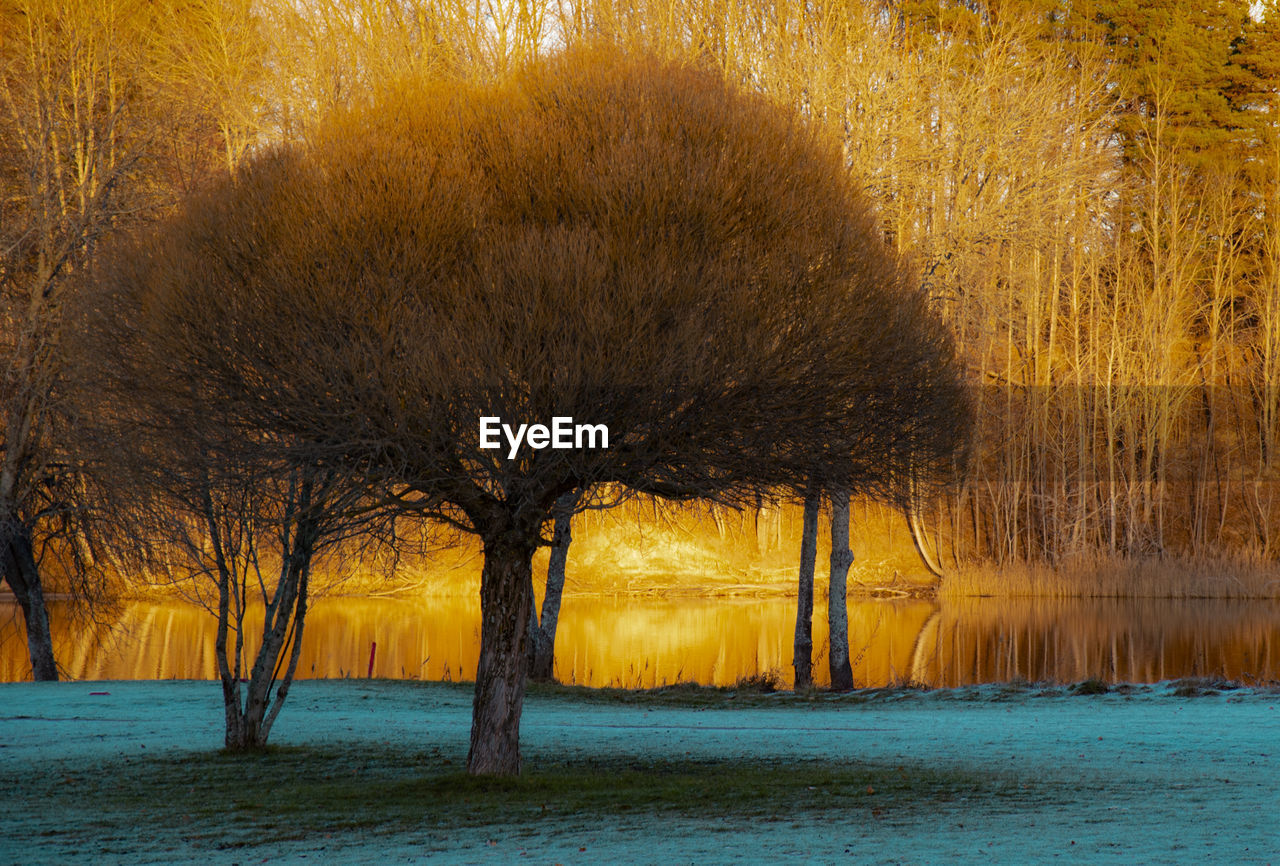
pixel 1231 576
pixel 898 575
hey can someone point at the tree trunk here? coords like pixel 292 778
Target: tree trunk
pixel 837 610
pixel 229 673
pixel 802 658
pixel 506 600
pixel 921 542
pixel 543 634
pixel 281 623
pixel 23 577
pixel 248 725
pixel 303 578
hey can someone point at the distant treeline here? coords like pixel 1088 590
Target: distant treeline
pixel 1091 194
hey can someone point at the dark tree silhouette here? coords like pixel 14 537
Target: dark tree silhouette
pixel 231 506
pixel 613 239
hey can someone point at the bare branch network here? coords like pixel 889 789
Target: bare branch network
pixel 625 241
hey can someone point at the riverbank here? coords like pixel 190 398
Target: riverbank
pixel 370 771
pixel 1098 575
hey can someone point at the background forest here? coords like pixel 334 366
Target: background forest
pixel 1090 192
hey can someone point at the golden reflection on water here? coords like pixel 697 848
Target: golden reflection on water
pixel 645 641
pixel 1115 640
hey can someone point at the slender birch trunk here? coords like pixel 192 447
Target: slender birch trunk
pixel 837 609
pixel 542 634
pixel 803 652
pixel 248 724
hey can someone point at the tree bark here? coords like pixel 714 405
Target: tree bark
pixel 506 601
pixel 543 633
pixel 837 609
pixel 248 725
pixel 802 657
pixel 303 568
pixel 920 542
pixel 229 673
pixel 23 577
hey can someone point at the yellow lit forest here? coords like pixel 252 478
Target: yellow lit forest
pixel 1090 195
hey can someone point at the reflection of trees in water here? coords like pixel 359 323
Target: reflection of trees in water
pixel 12 641
pixel 633 642
pixel 644 642
pixel 81 638
pixel 173 639
pixel 1116 640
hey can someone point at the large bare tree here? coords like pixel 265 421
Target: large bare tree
pixel 93 137
pixel 617 240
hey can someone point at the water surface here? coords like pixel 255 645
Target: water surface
pixel 646 641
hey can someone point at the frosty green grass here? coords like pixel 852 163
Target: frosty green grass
pixel 373 771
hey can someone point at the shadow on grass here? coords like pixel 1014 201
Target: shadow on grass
pixel 227 800
pixel 742 695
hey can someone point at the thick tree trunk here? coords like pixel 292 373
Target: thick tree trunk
pixel 228 671
pixel 837 609
pixel 286 619
pixel 802 658
pixel 23 577
pixel 280 624
pixel 543 633
pixel 506 600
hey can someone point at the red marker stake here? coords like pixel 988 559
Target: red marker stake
pixel 373 649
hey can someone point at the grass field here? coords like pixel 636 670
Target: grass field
pixel 371 771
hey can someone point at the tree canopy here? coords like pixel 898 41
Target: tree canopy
pixel 611 238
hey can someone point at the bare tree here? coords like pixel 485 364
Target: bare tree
pixel 86 127
pixel 231 509
pixel 239 547
pixel 632 244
